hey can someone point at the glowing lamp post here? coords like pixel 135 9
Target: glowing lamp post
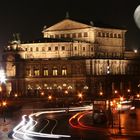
pixel 119 108
pixel 121 99
pixel 101 93
pixel 128 90
pixel 49 97
pixel 15 95
pixel 42 93
pixel 115 91
pixel 80 96
pixel 4 103
pixel 138 95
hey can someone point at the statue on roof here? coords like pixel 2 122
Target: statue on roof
pixel 67 15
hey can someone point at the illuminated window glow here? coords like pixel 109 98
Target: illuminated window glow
pixel 36 72
pixel 64 71
pixel 55 72
pixel 45 72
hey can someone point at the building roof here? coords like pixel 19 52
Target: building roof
pixel 67 24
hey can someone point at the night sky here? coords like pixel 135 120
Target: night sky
pixel 28 17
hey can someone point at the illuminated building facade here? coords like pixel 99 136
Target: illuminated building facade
pixel 72 57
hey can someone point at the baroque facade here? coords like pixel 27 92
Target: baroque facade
pixel 72 58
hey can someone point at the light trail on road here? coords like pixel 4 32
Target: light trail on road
pixel 75 122
pixel 44 126
pixel 24 130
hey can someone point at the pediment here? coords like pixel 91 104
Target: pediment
pixel 67 24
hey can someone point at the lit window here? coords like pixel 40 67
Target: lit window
pixel 45 72
pixel 85 34
pixel 55 72
pixel 64 85
pixel 36 72
pixel 29 87
pixel 63 48
pixel 45 85
pixel 64 71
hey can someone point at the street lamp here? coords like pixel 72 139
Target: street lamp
pixel 121 99
pixel 119 108
pixel 42 93
pixel 4 103
pixel 101 93
pixel 16 95
pixel 138 95
pixel 128 90
pixel 80 95
pixel 49 97
pixel 115 91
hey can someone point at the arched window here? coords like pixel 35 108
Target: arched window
pixel 115 35
pixel 49 48
pixel 79 35
pixel 63 48
pixel 84 48
pixel 85 34
pixel 111 35
pixel 74 35
pixel 99 34
pixel 31 49
pixel 55 71
pixel 36 72
pixel 43 49
pixel 64 71
pixel 56 48
pixel 37 49
pixel 45 72
pixel 119 35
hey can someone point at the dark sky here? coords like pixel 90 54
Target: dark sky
pixel 28 17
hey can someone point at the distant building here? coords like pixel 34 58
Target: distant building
pixel 72 58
